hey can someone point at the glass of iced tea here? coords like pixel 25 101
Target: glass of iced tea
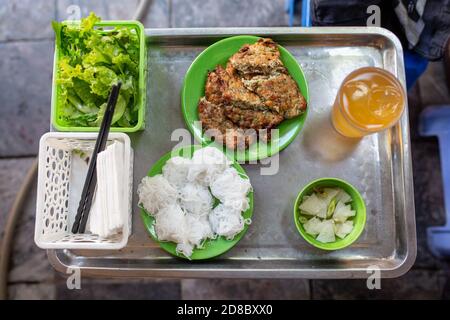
pixel 369 100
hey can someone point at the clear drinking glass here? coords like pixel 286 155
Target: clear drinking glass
pixel 369 100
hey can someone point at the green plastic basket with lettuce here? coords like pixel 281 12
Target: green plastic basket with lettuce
pixel 90 56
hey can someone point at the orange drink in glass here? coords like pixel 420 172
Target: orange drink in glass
pixel 369 100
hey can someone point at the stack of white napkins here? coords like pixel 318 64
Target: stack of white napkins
pixel 106 217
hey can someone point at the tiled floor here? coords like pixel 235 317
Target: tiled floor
pixel 26 69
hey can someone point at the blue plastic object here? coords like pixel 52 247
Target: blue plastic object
pixel 289 6
pixel 415 65
pixel 435 121
pixel 306 12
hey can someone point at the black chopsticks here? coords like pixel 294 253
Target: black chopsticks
pixel 90 183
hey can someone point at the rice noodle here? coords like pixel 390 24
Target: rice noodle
pixel 156 193
pixel 206 163
pixel 196 199
pixel 176 170
pixel 170 224
pixel 231 189
pixel 226 221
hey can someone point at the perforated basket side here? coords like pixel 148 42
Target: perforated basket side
pixel 52 208
pixel 53 194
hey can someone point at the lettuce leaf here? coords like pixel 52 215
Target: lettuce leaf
pixel 118 111
pixel 91 61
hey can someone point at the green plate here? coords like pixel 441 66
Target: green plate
pixel 212 248
pixel 194 89
pixel 357 204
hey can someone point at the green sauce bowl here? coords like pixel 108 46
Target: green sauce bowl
pixel 357 204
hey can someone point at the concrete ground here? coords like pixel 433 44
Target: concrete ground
pixel 26 47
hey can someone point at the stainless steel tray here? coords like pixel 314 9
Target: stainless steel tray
pixel 379 166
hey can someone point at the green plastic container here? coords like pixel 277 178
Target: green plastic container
pixel 61 125
pixel 359 221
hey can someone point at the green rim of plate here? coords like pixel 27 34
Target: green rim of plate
pixel 194 88
pixel 212 247
pixel 359 221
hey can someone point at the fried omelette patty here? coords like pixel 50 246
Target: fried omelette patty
pixel 220 128
pixel 262 57
pixel 253 92
pixel 223 87
pixel 279 93
pixel 251 119
pixel 241 105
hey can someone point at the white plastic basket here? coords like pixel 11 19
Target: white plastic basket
pixel 57 198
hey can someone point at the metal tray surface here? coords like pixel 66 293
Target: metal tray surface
pixel 379 166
